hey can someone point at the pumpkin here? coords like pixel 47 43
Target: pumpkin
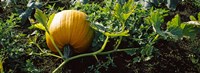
pixel 70 27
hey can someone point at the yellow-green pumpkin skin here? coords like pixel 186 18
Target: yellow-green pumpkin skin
pixel 70 27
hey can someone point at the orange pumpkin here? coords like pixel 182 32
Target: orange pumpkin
pixel 70 27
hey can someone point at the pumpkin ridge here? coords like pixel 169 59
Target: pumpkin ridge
pixel 73 35
pixel 86 41
pixel 83 37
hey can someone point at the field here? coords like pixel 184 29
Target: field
pixel 100 36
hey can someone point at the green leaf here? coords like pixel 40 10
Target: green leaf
pixel 174 27
pixel 192 18
pixel 174 23
pixel 39 26
pixel 40 17
pixel 131 52
pixel 126 15
pixel 189 31
pixel 117 10
pixel 121 2
pixel 123 12
pixel 198 16
pixel 156 19
pixel 147 50
pixel 136 59
pixel 177 30
pixel 50 19
pixel 129 7
pixel 194 60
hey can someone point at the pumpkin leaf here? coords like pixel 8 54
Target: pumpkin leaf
pixel 99 27
pixel 156 19
pixel 172 25
pixel 39 26
pixel 117 10
pixel 192 18
pixel 147 50
pixel 189 31
pixel 123 12
pixel 128 9
pixel 50 19
pixel 40 17
pixel 177 30
pixel 131 52
pixel 174 28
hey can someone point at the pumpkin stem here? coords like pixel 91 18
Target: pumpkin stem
pixel 95 56
pixel 67 51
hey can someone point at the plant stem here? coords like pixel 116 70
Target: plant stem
pixel 95 56
pixel 117 50
pixel 39 47
pixel 103 46
pixel 52 40
pixel 123 33
pixel 118 42
pixel 156 37
pixel 83 55
pixel 67 51
pixel 120 38
pixel 47 54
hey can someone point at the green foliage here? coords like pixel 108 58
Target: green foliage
pixel 14 45
pixel 171 4
pixel 120 26
pixel 123 12
pixel 175 28
pixel 129 17
pixel 41 17
pixel 196 3
pixel 29 67
pixel 194 21
pixel 156 19
pixel 102 65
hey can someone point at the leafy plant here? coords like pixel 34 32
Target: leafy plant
pixel 171 4
pixel 175 28
pixel 29 67
pixel 14 45
pixel 102 65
